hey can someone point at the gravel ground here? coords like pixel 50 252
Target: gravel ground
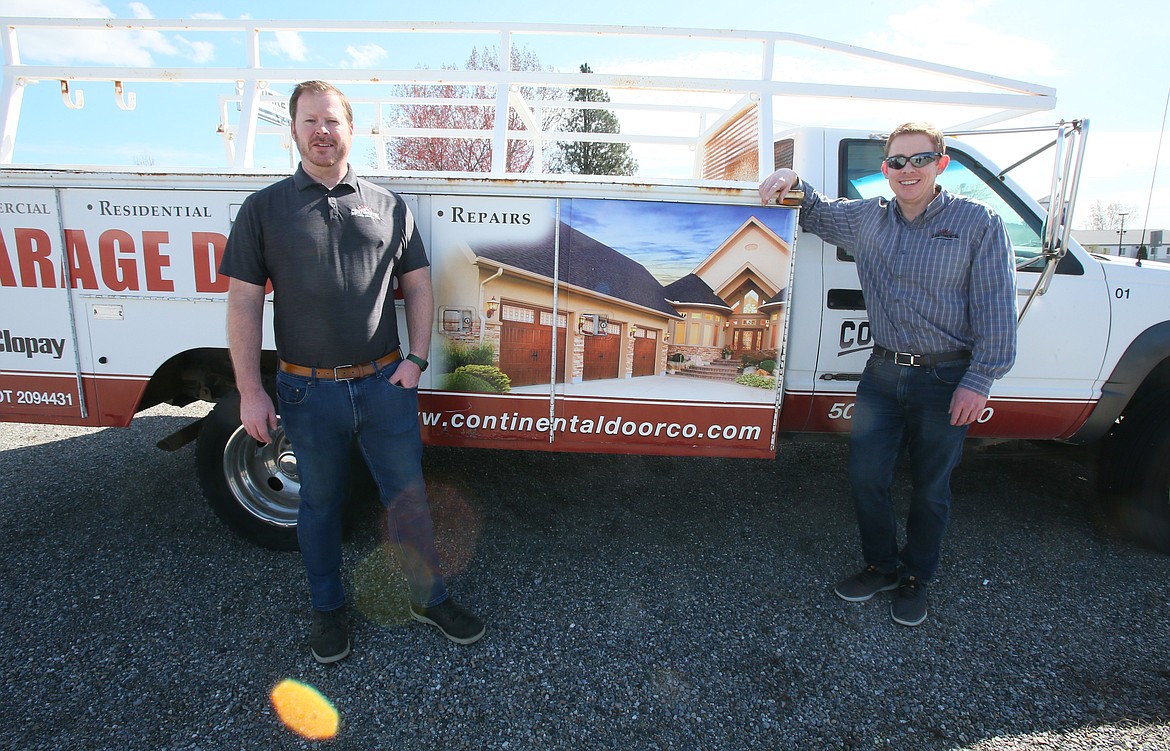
pixel 632 602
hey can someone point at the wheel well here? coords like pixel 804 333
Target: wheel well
pixel 1141 371
pixel 203 374
pixel 1157 382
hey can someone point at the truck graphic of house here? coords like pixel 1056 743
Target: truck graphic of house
pixel 615 316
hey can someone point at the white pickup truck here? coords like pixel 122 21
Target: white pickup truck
pixel 574 313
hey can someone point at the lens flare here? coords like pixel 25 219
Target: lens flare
pixel 379 588
pixel 457 525
pixel 304 710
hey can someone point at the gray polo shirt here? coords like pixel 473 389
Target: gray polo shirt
pixel 331 256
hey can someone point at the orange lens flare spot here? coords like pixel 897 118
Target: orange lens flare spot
pixel 304 710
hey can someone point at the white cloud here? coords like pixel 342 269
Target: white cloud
pixel 58 9
pixel 115 48
pixel 1119 166
pixel 198 52
pixel 946 32
pixel 364 56
pixel 153 41
pixel 288 44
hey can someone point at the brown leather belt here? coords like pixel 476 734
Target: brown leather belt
pixel 342 372
pixel 920 361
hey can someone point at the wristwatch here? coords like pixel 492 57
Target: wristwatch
pixel 421 363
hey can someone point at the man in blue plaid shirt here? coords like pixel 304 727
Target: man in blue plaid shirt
pixel 938 274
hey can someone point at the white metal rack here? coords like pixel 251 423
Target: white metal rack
pixel 247 86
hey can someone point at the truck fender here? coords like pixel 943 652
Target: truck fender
pixel 1148 354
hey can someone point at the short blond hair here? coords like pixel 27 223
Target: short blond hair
pixel 317 87
pixel 926 129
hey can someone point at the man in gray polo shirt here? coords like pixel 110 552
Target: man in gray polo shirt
pixel 331 245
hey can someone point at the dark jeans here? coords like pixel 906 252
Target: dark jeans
pixel 322 419
pixel 903 407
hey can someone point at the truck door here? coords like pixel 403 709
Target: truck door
pixel 39 370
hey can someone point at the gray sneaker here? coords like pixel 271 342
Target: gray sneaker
pixel 329 636
pixel 864 585
pixel 909 605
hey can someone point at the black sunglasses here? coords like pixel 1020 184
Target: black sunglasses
pixel 918 160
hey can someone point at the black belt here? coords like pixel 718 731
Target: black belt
pixel 342 372
pixel 920 361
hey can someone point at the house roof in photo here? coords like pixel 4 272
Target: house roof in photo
pixel 585 263
pixel 692 290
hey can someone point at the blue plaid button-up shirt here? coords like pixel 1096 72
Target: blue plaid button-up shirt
pixel 943 282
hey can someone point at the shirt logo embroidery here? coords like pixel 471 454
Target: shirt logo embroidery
pixel 944 234
pixel 366 212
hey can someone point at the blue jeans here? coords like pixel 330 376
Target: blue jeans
pixel 323 419
pixel 900 407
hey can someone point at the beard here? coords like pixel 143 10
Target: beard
pixel 328 158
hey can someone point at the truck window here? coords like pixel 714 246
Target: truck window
pixel 861 177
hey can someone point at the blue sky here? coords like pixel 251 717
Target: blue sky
pixel 1107 63
pixel 670 239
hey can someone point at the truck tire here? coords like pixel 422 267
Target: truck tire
pixel 1137 473
pixel 252 487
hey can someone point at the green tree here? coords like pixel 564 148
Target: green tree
pixel 586 158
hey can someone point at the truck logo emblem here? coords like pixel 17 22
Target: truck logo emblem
pixel 31 345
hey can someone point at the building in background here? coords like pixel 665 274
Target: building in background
pixel 1111 242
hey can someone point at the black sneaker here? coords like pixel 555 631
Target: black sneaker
pixel 329 636
pixel 909 605
pixel 456 622
pixel 862 586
